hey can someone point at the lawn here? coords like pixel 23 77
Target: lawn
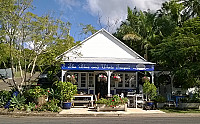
pixel 176 110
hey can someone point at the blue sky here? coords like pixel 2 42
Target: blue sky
pixel 109 12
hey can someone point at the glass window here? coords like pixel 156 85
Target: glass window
pixel 83 79
pixel 91 80
pixel 133 81
pixel 126 80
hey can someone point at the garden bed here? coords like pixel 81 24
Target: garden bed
pixel 103 107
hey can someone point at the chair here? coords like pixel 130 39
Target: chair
pixel 139 100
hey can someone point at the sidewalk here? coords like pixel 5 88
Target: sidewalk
pixel 92 112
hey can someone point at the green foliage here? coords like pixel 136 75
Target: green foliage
pixel 113 102
pixel 180 53
pixel 30 106
pixel 65 90
pixel 159 98
pixel 17 102
pixel 150 90
pixel 4 97
pixel 52 105
pixel 36 92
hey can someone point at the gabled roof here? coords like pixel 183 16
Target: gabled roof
pixel 102 47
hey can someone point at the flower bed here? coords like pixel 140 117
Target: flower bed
pixel 112 104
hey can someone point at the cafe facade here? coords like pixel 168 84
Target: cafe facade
pixel 102 64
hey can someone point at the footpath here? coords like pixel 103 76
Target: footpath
pixel 85 112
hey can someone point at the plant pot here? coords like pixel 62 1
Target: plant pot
pixel 67 105
pixel 160 105
pixel 103 107
pixel 150 103
pixel 41 100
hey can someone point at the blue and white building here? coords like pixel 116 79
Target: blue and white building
pixel 104 55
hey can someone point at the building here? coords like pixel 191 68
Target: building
pixel 103 64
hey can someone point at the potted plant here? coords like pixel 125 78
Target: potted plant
pixel 38 94
pixel 117 78
pixel 102 78
pixel 71 78
pixel 160 101
pixel 66 91
pixel 149 89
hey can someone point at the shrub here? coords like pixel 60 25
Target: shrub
pixel 160 99
pixel 52 105
pixel 113 102
pixel 17 102
pixel 4 97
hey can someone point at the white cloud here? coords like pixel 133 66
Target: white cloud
pixel 116 10
pixel 113 11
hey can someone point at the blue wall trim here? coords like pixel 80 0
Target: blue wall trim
pixel 107 66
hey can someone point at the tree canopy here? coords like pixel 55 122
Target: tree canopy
pixel 169 37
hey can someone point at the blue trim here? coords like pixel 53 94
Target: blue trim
pixel 106 66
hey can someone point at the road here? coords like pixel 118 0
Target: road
pixel 99 120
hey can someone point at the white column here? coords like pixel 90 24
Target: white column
pixel 136 78
pixel 109 75
pixel 152 77
pixel 62 75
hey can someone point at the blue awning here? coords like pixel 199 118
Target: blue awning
pixel 107 66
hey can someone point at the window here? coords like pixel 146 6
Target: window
pixel 133 81
pixel 126 80
pixel 91 80
pixel 83 79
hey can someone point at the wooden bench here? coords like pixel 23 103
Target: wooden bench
pixel 81 102
pixel 83 99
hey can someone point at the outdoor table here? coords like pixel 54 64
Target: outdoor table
pixel 177 99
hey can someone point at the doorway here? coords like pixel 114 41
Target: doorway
pixel 101 87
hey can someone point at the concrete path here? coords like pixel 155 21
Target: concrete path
pixel 86 111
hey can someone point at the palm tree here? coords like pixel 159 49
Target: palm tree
pixel 191 8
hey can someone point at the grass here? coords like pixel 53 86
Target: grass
pixel 176 110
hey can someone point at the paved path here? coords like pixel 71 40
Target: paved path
pixel 86 111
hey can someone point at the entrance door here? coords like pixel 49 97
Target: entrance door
pixel 101 87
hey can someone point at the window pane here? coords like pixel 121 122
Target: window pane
pixel 91 80
pixel 83 79
pixel 126 80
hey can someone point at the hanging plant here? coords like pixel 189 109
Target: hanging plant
pixel 102 78
pixel 145 78
pixel 71 78
pixel 117 78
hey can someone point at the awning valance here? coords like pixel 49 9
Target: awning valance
pixel 107 66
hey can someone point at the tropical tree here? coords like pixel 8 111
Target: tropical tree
pixel 191 8
pixel 180 53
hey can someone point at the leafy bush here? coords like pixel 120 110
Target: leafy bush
pixel 4 97
pixel 65 90
pixel 113 102
pixel 30 106
pixel 17 102
pixel 52 105
pixel 36 92
pixel 150 90
pixel 160 99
